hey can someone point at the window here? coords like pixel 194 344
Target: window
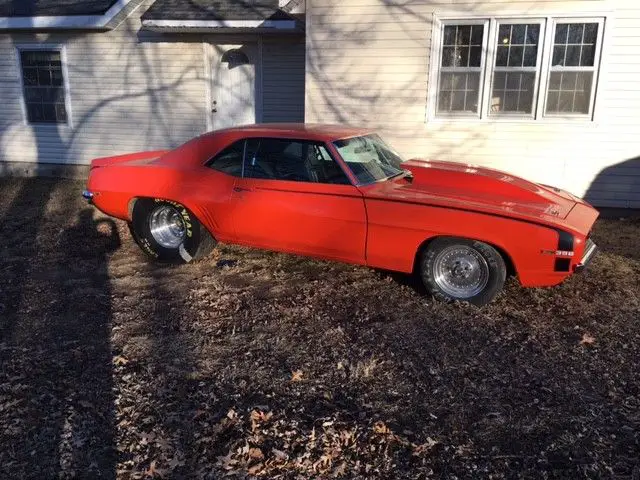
pixel 526 68
pixel 43 84
pixel 460 68
pixel 293 160
pixel 516 68
pixel 572 68
pixel 229 160
pixel 369 158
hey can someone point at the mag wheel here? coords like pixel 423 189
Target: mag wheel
pixel 168 232
pixel 461 269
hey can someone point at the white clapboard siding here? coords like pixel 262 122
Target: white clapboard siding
pixel 368 63
pixel 131 90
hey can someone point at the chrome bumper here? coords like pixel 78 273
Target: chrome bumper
pixel 590 250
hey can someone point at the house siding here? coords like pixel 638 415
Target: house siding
pixel 131 90
pixel 283 81
pixel 368 63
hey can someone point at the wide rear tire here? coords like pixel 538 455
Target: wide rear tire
pixel 461 269
pixel 168 232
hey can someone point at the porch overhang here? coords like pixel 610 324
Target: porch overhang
pixel 221 26
pixel 220 16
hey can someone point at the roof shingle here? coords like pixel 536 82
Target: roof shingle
pixel 215 10
pixel 53 8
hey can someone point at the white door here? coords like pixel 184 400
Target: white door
pixel 233 91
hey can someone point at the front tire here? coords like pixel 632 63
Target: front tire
pixel 168 232
pixel 462 269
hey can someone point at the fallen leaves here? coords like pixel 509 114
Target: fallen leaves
pixel 296 376
pixel 587 339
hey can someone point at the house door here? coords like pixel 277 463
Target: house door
pixel 234 85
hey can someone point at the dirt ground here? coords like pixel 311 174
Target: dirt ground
pixel 255 364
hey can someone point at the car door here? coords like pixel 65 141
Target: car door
pixel 294 197
pixel 215 188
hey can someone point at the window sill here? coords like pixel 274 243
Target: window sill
pixel 568 121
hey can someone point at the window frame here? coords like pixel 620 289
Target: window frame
pixel 209 163
pixel 545 56
pixel 492 69
pixel 61 48
pixel 482 72
pixel 595 69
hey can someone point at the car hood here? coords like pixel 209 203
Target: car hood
pixel 458 185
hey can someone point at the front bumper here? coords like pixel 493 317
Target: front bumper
pixel 590 250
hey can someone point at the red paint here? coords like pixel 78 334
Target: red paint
pixel 381 225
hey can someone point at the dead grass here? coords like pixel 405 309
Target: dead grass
pixel 259 364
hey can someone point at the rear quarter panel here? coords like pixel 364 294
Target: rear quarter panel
pixel 398 230
pixel 203 191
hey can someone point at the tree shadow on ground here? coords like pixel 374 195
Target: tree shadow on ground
pixel 54 345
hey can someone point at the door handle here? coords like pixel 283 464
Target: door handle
pixel 241 189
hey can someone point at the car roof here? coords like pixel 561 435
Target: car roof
pixel 310 131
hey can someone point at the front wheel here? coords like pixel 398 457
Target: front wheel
pixel 462 269
pixel 168 232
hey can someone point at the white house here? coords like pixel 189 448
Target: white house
pixel 544 89
pixel 86 78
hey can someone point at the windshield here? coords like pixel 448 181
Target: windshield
pixel 369 158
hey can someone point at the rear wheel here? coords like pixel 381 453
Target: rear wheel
pixel 462 269
pixel 168 232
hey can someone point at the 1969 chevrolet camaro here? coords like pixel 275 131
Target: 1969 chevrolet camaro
pixel 341 193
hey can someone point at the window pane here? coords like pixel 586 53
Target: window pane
pixel 448 54
pixel 463 36
pixel 477 32
pixel 575 32
pixel 533 34
pixel 475 56
pixel 49 113
pixel 461 58
pixel 502 56
pixel 449 37
pixel 569 92
pixel 590 33
pixel 530 56
pixel 513 92
pixel 558 55
pixel 588 53
pixel 291 160
pixel 458 92
pixel 517 34
pixel 229 161
pixel 572 58
pixel 515 56
pixel 562 30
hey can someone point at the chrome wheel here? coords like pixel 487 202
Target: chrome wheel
pixel 460 271
pixel 167 226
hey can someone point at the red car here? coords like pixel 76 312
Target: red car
pixel 341 193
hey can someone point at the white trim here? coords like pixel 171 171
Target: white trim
pixel 207 53
pixel 65 82
pixel 275 24
pixel 70 21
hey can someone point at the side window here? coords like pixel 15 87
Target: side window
pixel 291 160
pixel 229 160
